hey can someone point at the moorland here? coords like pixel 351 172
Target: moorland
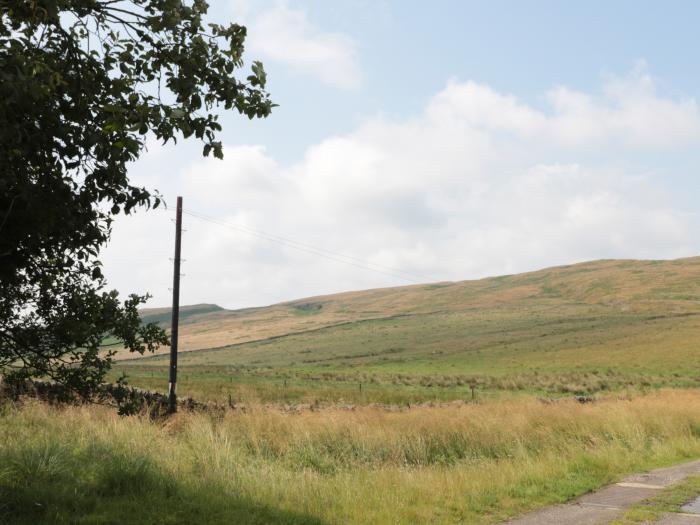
pixel 583 329
pixel 455 402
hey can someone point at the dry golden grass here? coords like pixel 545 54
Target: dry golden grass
pixel 459 464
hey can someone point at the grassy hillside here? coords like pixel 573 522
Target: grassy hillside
pixel 584 328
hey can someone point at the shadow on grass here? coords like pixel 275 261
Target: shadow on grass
pixel 51 484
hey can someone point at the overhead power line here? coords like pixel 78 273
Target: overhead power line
pixel 315 250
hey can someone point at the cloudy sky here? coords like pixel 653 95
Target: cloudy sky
pixel 427 141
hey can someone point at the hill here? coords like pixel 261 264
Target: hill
pixel 638 317
pixel 188 314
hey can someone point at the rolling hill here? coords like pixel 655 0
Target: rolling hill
pixel 634 318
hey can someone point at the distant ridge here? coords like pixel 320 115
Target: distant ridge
pixel 162 315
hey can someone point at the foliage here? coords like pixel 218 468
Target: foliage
pixel 83 83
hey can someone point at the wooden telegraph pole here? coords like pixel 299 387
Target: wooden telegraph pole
pixel 172 395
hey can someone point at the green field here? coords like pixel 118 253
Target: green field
pixel 576 330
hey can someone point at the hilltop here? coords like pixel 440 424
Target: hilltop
pixel 187 313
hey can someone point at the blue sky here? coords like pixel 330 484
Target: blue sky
pixel 408 50
pixel 446 139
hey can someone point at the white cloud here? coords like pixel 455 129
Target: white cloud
pixel 477 184
pixel 286 36
pixel 628 113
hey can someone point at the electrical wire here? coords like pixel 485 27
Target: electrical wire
pixel 314 250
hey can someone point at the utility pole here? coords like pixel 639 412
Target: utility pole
pixel 172 395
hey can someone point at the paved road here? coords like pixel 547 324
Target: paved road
pixel 606 504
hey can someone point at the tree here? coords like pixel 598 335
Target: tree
pixel 82 84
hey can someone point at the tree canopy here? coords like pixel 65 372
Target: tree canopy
pixel 83 83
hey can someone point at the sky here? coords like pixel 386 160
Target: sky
pixel 430 141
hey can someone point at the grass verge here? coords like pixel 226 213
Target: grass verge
pixel 669 500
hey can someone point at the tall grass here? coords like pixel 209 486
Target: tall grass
pixel 458 464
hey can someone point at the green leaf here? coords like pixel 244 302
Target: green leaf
pixel 89 99
pixel 259 72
